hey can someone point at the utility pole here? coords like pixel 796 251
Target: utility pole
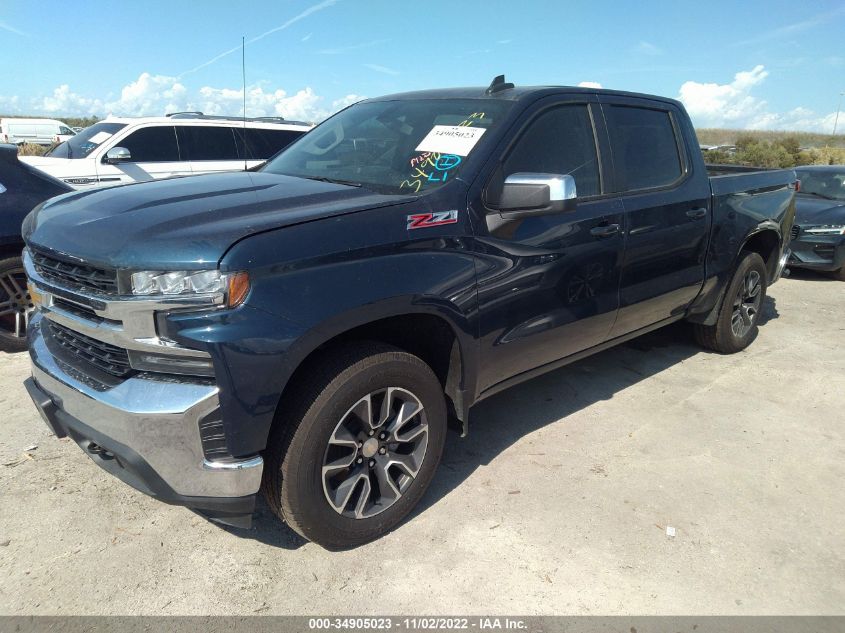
pixel 838 108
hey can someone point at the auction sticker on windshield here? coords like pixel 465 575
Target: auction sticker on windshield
pixel 451 139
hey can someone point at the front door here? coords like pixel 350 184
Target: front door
pixel 548 285
pixel 154 154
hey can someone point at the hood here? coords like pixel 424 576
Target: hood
pixel 47 161
pixel 811 210
pixel 185 223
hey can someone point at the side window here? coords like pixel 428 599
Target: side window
pixel 559 141
pixel 207 143
pixel 261 143
pixel 152 145
pixel 645 149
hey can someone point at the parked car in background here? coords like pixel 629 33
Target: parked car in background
pixel 309 328
pixel 37 131
pixel 122 150
pixel 21 188
pixel 818 235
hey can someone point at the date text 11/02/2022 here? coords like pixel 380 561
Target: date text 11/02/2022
pixel 430 623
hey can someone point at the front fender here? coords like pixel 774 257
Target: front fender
pixel 313 282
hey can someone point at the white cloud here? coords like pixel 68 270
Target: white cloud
pixel 155 95
pixel 647 48
pixel 722 105
pixel 589 84
pixel 63 100
pixel 382 69
pixel 348 100
pixel 732 105
pixel 12 29
pixel 10 105
pixel 148 94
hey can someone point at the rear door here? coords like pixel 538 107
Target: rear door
pixel 155 154
pixel 209 148
pixel 548 285
pixel 666 209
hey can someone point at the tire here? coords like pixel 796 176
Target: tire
pixel 725 336
pixel 839 274
pixel 15 305
pixel 324 426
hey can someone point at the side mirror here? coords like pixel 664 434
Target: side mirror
pixel 117 155
pixel 527 194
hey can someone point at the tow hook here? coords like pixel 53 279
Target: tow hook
pixel 99 451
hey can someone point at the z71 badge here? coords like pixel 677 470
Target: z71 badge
pixel 427 220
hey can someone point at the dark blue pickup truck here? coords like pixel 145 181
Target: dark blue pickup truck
pixel 312 328
pixel 21 188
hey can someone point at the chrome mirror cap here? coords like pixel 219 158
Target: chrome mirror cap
pixel 117 155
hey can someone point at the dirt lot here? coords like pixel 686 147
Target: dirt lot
pixel 558 502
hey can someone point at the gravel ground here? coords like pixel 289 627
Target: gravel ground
pixel 561 499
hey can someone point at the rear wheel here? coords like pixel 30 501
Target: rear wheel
pixel 736 325
pixel 356 452
pixel 15 305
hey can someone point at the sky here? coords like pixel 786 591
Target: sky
pixel 755 64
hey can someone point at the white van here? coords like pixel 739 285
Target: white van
pixel 122 150
pixel 37 131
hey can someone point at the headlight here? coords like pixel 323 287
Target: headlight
pixel 149 282
pixel 827 229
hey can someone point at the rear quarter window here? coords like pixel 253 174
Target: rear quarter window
pixel 261 143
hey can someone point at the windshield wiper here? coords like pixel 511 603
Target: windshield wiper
pixel 337 181
pixel 819 195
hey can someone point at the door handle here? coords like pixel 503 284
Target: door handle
pixel 697 214
pixel 605 230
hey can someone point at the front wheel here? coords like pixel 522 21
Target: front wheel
pixel 736 325
pixel 15 305
pixel 357 450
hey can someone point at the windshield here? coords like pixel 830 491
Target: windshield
pixel 824 184
pixel 392 146
pixel 86 141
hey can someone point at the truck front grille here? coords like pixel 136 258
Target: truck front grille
pixel 98 279
pixel 108 358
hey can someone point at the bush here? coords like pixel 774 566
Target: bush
pixel 31 149
pixel 782 152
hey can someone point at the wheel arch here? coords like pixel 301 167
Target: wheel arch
pixel 431 331
pixel 766 241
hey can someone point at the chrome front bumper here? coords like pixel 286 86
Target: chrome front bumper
pixel 156 420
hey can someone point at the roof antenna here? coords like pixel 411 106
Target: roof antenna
pixel 497 85
pixel 243 76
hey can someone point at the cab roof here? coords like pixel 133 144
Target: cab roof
pixel 207 121
pixel 515 93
